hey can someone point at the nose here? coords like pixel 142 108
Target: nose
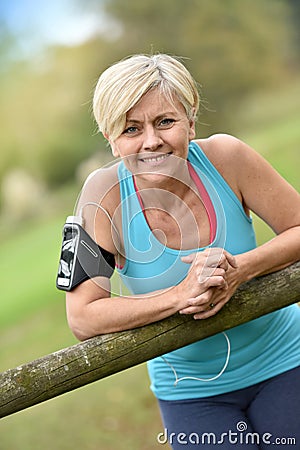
pixel 152 139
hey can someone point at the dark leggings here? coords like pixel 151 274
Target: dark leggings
pixel 263 416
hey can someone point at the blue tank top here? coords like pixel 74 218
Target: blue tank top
pixel 260 349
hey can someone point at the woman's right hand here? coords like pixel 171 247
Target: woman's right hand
pixel 208 270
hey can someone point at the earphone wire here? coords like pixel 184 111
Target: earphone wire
pixel 177 380
pixel 103 210
pixel 112 224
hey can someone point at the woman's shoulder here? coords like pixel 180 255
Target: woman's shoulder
pixel 101 186
pixel 220 144
pixel 102 178
pixel 223 151
pixel 99 199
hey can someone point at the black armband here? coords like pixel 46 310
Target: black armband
pixel 81 257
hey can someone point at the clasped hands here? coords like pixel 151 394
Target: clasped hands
pixel 210 283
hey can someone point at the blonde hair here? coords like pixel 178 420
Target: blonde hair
pixel 122 85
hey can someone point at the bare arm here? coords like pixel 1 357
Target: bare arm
pixel 260 189
pixel 276 202
pixel 91 311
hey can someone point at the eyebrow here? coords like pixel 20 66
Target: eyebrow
pixel 160 116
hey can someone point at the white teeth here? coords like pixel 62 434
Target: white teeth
pixel 157 159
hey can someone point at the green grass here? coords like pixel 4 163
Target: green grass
pixel 28 263
pixel 279 144
pixel 116 413
pixel 270 124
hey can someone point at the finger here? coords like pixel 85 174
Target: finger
pixel 199 303
pixel 218 272
pixel 219 257
pixel 206 272
pixel 231 259
pixel 188 259
pixel 213 310
pixel 212 281
pixel 223 262
pixel 208 257
pixel 193 310
pixel 202 299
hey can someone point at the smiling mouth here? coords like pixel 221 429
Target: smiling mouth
pixel 156 159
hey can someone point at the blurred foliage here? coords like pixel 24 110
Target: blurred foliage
pixel 233 49
pixel 45 112
pixel 295 20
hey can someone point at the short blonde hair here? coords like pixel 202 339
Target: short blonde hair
pixel 122 85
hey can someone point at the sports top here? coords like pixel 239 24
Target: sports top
pixel 260 349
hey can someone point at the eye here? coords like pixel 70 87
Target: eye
pixel 166 123
pixel 130 130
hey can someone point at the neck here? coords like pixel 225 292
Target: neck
pixel 166 194
pixel 177 183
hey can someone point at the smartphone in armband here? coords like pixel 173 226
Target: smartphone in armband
pixel 81 257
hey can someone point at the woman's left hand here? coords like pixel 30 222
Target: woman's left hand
pixel 212 301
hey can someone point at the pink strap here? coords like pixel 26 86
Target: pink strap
pixel 206 202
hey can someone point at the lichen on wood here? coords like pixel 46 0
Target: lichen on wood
pixel 102 356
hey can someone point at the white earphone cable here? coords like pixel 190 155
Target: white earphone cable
pixel 177 380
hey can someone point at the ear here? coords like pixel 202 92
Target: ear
pixel 192 121
pixel 192 132
pixel 114 149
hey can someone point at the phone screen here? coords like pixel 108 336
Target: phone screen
pixel 67 257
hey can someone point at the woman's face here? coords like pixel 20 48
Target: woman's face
pixel 156 136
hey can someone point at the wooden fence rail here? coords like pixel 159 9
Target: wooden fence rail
pixel 101 356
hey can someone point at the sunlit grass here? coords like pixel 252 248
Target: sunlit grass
pixel 270 124
pixel 118 412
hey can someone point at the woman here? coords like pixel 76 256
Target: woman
pixel 175 213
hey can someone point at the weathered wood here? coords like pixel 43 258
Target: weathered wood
pixel 99 357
